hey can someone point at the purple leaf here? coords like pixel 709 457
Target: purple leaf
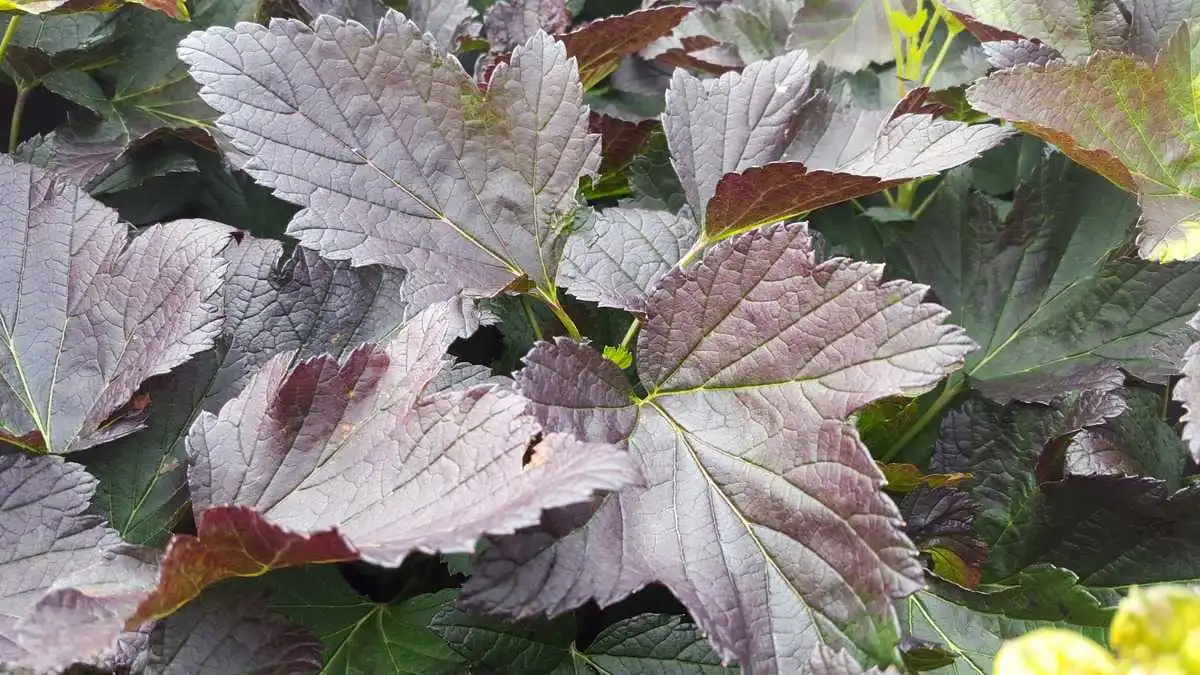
pixel 66 583
pixel 229 630
pixel 88 315
pixel 729 135
pixel 508 23
pixel 620 141
pixel 1187 391
pixel 311 463
pixel 366 12
pixel 825 661
pixel 731 123
pixel 467 190
pixel 1074 29
pixel 729 33
pixel 445 20
pixel 755 485
pixel 620 252
pixel 1012 53
pixel 303 304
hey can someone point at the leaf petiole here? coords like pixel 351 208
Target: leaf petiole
pixel 630 334
pixel 551 300
pixel 14 127
pixel 950 390
pixel 9 34
pixel 532 318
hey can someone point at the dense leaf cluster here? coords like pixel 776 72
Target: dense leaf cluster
pixel 545 336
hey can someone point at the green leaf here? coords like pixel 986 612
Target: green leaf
pixel 973 636
pixel 1024 285
pixel 212 189
pixel 1039 592
pixel 362 636
pixel 1129 120
pixel 1000 447
pixel 176 9
pixel 135 86
pixel 653 180
pixel 143 477
pixel 498 645
pixel 846 34
pixel 650 643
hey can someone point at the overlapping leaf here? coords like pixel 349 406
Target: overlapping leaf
pixel 732 123
pixel 87 315
pixel 618 254
pixel 972 636
pixel 1001 447
pixel 470 191
pixel 846 34
pixel 1074 29
pixel 65 586
pixel 362 636
pixel 599 46
pixel 176 9
pixel 1187 391
pixel 1139 442
pixel 938 520
pixel 755 432
pixel 743 163
pixel 304 304
pixel 135 87
pixel 1128 120
pixel 735 33
pixel 509 23
pixel 620 140
pixel 231 630
pixel 1022 285
pixel 1110 530
pixel 311 463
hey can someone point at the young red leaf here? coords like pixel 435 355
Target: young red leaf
pixel 599 46
pixel 1072 28
pixel 1131 121
pixel 335 444
pixel 232 541
pixel 620 140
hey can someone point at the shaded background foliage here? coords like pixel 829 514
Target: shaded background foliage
pixel 1036 483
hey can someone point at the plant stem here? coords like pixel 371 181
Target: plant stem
pixel 14 129
pixel 533 322
pixel 916 213
pixel 9 34
pixel 696 249
pixel 630 334
pixel 896 50
pixel 566 320
pixel 950 390
pixel 937 60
